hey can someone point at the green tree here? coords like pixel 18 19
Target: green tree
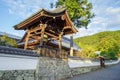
pixel 2 43
pixel 109 48
pixel 6 41
pixel 78 10
pixel 108 42
pixel 88 52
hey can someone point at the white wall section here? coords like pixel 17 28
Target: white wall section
pixel 16 62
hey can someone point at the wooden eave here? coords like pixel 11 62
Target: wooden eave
pixel 33 25
pixel 70 23
pixel 59 12
pixel 35 17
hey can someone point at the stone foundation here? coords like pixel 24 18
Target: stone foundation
pixel 81 70
pixel 52 69
pixel 17 75
pixel 47 69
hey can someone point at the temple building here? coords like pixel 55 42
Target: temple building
pixel 46 28
pixel 17 38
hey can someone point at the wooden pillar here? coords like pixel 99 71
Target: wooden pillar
pixel 42 33
pixel 27 39
pixel 71 45
pixel 41 38
pixel 60 44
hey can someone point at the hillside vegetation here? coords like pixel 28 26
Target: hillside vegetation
pixel 107 42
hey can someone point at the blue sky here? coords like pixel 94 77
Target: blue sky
pixel 13 11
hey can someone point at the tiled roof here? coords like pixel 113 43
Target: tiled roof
pixel 10 35
pixel 65 43
pixel 57 12
pixel 16 51
pixel 75 47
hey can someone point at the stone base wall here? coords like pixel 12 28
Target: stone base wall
pixel 46 72
pixel 17 75
pixel 80 70
pixel 52 69
pixel 47 69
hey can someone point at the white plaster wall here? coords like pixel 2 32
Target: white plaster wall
pixel 86 63
pixel 81 63
pixel 16 62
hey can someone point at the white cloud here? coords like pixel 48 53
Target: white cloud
pixel 112 10
pixel 107 13
pixel 114 16
pixel 107 17
pixel 24 8
pixel 10 11
pixel 18 33
pixel 98 24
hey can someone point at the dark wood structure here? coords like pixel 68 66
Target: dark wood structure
pixel 45 26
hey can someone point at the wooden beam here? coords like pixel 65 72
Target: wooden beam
pixel 34 42
pixel 66 27
pixel 27 39
pixel 34 37
pixel 30 47
pixel 68 21
pixel 71 45
pixel 52 35
pixel 57 38
pixel 35 33
pixel 60 44
pixel 42 33
pixel 23 38
pixel 63 17
pixel 35 29
pixel 52 31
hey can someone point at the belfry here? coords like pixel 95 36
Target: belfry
pixel 45 27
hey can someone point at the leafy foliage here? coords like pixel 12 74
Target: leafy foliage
pixel 88 52
pixel 78 10
pixel 107 42
pixel 80 13
pixel 6 41
pixel 110 47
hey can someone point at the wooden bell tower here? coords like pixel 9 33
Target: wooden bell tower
pixel 54 24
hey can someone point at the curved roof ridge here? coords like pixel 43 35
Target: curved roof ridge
pixel 55 12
